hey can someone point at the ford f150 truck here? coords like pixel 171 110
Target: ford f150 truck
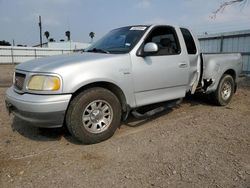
pixel 130 67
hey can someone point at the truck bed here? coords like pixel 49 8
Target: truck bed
pixel 214 65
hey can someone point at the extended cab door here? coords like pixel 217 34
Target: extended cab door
pixel 194 59
pixel 163 75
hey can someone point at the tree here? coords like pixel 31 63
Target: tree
pixel 4 43
pixel 46 33
pixel 21 45
pixel 91 35
pixel 52 40
pixel 226 4
pixel 67 33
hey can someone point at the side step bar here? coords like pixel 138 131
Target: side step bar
pixel 157 110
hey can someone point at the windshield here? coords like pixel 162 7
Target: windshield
pixel 118 41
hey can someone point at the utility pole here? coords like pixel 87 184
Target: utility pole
pixel 40 27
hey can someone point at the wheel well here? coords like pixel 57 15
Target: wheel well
pixel 107 85
pixel 232 73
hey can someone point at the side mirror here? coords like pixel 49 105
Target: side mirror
pixel 150 48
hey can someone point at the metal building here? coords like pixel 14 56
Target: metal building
pixel 228 42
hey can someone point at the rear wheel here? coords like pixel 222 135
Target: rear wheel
pixel 225 90
pixel 93 115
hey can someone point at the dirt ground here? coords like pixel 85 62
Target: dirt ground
pixel 6 74
pixel 194 145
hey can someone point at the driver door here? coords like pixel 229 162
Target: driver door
pixel 163 75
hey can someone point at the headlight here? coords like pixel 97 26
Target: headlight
pixel 44 83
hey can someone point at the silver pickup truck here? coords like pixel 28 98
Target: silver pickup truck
pixel 130 67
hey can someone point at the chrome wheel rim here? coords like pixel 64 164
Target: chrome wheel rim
pixel 97 116
pixel 226 90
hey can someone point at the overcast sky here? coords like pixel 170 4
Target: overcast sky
pixel 19 18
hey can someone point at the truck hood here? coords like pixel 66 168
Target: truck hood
pixel 54 64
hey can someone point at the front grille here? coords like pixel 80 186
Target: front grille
pixel 19 80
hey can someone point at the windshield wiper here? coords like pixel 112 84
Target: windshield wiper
pixel 99 50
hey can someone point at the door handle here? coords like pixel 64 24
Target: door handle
pixel 182 65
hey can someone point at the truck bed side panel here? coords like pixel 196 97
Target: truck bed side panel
pixel 215 65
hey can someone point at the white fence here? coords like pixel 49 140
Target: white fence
pixel 21 54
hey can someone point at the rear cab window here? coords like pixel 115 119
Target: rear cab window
pixel 189 41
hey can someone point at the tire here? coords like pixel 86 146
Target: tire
pixel 225 90
pixel 93 115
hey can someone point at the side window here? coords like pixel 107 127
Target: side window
pixel 189 41
pixel 166 39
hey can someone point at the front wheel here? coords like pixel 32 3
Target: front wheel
pixel 93 115
pixel 225 90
